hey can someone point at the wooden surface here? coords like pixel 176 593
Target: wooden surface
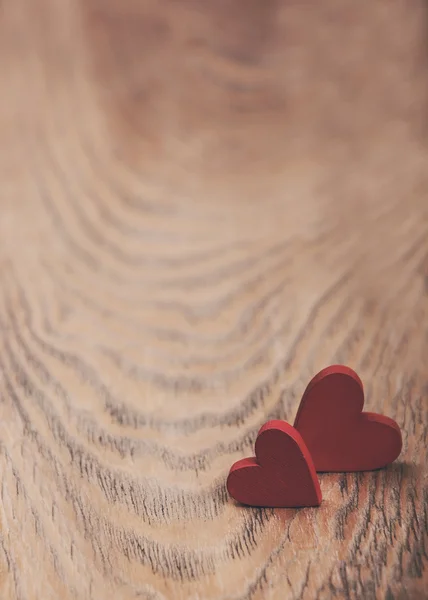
pixel 203 203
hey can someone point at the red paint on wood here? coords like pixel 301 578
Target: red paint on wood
pixel 281 474
pixel 338 435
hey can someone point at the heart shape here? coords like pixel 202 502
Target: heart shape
pixel 281 474
pixel 339 436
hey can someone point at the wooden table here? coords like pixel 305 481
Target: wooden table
pixel 203 204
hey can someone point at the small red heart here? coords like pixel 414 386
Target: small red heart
pixel 281 474
pixel 338 435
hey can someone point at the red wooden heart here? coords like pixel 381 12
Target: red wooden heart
pixel 338 435
pixel 281 474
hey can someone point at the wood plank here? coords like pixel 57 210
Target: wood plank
pixel 202 205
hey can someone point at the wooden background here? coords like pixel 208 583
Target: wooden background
pixel 202 204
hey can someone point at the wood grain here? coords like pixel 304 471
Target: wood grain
pixel 203 204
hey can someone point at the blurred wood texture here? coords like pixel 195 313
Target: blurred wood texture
pixel 202 204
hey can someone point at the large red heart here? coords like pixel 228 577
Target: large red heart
pixel 338 435
pixel 281 474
